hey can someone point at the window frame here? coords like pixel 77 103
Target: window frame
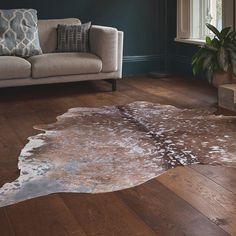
pixel 228 19
pixel 185 24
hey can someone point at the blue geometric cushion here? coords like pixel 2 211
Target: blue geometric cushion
pixel 19 33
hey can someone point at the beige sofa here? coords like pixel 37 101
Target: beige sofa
pixel 103 62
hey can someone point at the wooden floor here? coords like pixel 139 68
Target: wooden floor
pixel 196 200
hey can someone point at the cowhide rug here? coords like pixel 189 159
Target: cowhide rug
pixel 94 150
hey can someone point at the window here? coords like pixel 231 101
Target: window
pixel 194 14
pixel 205 11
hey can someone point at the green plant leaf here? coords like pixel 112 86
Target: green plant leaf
pixel 195 69
pixel 194 61
pixel 211 48
pixel 208 41
pixel 214 30
pixel 232 46
pixel 198 56
pixel 216 43
pixel 209 74
pixel 224 33
pixel 216 67
pixel 232 34
pixel 232 55
pixel 223 59
pixel 202 59
pixel 207 62
pixel 197 66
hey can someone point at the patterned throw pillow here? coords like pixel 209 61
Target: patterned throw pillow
pixel 19 33
pixel 73 38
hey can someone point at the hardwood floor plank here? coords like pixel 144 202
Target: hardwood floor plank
pixel 23 123
pixel 166 213
pixel 209 198
pixel 9 175
pixel 9 141
pixel 5 225
pixel 105 215
pixel 47 216
pixel 10 146
pixel 47 111
pixel 140 93
pixel 169 89
pixel 224 176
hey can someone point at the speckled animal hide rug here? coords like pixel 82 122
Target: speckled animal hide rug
pixel 95 150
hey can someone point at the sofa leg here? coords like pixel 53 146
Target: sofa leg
pixel 113 84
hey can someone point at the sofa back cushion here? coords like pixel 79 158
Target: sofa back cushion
pixel 73 38
pixel 48 32
pixel 19 33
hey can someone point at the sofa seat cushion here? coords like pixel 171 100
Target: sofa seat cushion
pixel 61 64
pixel 12 67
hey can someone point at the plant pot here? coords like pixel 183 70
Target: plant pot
pixel 221 78
pixel 234 79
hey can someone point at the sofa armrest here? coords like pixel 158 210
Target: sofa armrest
pixel 104 44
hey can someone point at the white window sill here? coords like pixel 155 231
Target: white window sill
pixel 190 41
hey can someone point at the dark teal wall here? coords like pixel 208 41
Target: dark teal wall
pixel 141 20
pixel 179 54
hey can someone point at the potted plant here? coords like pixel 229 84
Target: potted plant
pixel 217 58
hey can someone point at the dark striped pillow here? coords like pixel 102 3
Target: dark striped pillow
pixel 73 38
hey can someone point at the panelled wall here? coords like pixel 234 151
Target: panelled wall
pixel 141 20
